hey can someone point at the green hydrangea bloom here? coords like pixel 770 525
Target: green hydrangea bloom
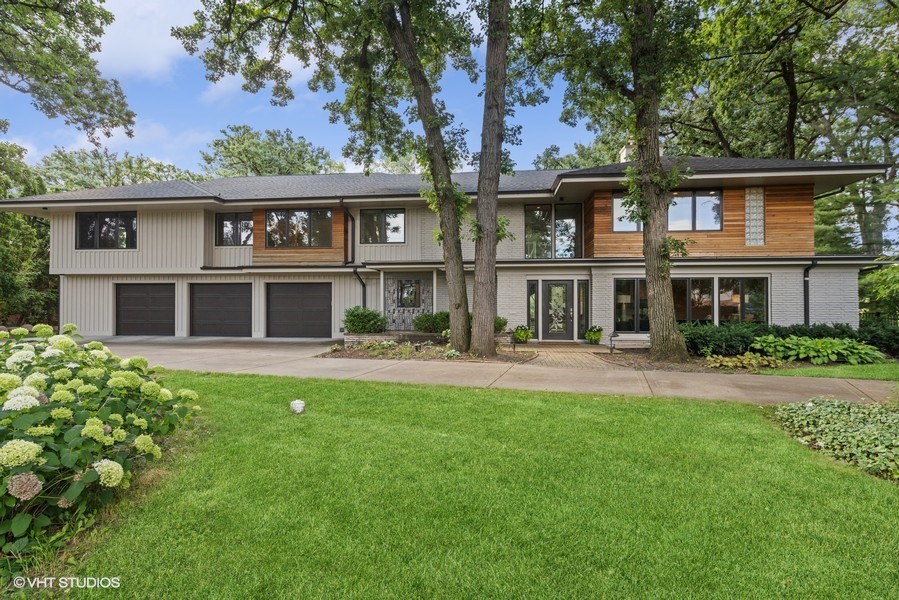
pixel 36 380
pixel 74 384
pixel 61 413
pixel 62 342
pixel 119 434
pixel 157 369
pixel 138 421
pixel 92 373
pixel 115 418
pixel 8 382
pixel 117 382
pixel 135 362
pixel 150 388
pixel 110 472
pixel 64 374
pixel 39 430
pixel 93 429
pixel 165 394
pixel 42 330
pixel 18 332
pixel 188 395
pixel 62 396
pixel 16 453
pixel 144 444
pixel 95 346
pixel 69 328
pixel 4 335
pixel 88 389
pixel 132 379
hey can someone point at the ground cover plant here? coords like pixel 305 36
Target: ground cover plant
pixel 818 351
pixel 866 435
pixel 397 491
pixel 427 350
pixel 75 423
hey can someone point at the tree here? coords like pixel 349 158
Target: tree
pixel 599 152
pixel 389 56
pixel 65 170
pixel 45 52
pixel 620 60
pixel 243 151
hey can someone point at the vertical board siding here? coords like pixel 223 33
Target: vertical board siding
pixel 167 242
pixel 409 250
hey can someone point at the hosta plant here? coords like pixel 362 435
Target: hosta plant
pixel 75 422
pixel 750 361
pixel 819 351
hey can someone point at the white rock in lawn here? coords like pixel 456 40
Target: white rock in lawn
pixel 298 406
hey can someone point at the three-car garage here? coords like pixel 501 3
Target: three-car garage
pixel 291 309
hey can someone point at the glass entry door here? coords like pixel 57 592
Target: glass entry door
pixel 558 310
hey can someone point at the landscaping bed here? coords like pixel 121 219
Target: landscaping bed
pixel 638 359
pixel 426 350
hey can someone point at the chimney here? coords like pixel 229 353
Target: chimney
pixel 627 152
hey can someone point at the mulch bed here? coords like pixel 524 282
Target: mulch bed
pixel 638 359
pixel 435 352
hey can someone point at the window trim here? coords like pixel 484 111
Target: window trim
pixel 382 225
pixel 96 214
pixel 401 284
pixel 237 217
pixel 693 193
pixel 288 212
pixel 742 279
pixel 579 234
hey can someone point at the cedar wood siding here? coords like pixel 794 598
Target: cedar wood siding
pixel 336 254
pixel 789 227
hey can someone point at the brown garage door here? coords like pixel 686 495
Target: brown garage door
pixel 299 310
pixel 221 309
pixel 145 309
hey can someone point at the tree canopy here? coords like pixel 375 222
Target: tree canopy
pixel 64 170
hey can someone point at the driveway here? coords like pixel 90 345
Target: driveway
pixel 300 359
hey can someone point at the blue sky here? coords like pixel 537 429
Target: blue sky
pixel 179 111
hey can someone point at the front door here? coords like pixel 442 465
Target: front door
pixel 558 311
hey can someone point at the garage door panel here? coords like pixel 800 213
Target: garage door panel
pixel 145 309
pixel 221 309
pixel 299 310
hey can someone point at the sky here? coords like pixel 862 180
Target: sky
pixel 179 112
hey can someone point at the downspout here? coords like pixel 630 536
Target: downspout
pixel 362 283
pixel 805 290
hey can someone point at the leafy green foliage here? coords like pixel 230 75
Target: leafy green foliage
pixel 522 334
pixel 594 335
pixel 818 351
pixel 749 361
pixel 66 170
pixel 726 339
pixel 866 435
pixel 75 423
pixel 358 319
pixel 880 289
pixel 243 151
pixel 499 324
pixel 28 293
pixel 45 52
pixel 879 333
pixel 431 322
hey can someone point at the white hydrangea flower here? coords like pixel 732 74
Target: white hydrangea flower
pixel 111 472
pixel 57 338
pixel 99 354
pixel 51 353
pixel 20 403
pixel 24 390
pixel 73 365
pixel 19 359
pixel 35 378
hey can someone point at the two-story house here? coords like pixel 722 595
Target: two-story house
pixel 285 256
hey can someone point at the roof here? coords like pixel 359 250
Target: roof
pixel 380 185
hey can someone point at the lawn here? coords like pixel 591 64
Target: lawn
pixel 402 491
pixel 888 371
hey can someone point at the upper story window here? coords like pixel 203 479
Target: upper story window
pixel 382 226
pixel 234 229
pixel 106 230
pixel 307 228
pixel 690 210
pixel 552 231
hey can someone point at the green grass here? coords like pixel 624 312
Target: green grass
pixel 404 491
pixel 888 371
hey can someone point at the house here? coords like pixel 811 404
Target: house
pixel 285 256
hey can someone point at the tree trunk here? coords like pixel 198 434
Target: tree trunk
pixel 482 343
pixel 666 343
pixel 403 40
pixel 788 73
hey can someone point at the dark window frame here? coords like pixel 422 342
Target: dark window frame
pixel 382 224
pixel 237 217
pixel 742 312
pixel 693 193
pixel 288 212
pixel 579 233
pixel 401 285
pixel 118 215
pixel 640 283
pixel 532 289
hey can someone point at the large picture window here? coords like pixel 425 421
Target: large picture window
pixel 382 226
pixel 743 299
pixel 690 210
pixel 234 229
pixel 106 230
pixel 552 231
pixel 693 298
pixel 308 228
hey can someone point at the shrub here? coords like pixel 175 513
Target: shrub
pixel 729 339
pixel 879 333
pixel 75 422
pixel 594 335
pixel 522 334
pixel 818 351
pixel 363 320
pixel 431 322
pixel 866 435
pixel 499 324
pixel 750 361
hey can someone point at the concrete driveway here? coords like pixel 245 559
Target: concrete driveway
pixel 299 359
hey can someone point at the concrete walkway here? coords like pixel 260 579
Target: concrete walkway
pixel 298 359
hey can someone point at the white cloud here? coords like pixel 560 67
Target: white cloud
pixel 230 85
pixel 223 89
pixel 139 43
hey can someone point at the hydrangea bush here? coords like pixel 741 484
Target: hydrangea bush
pixel 75 421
